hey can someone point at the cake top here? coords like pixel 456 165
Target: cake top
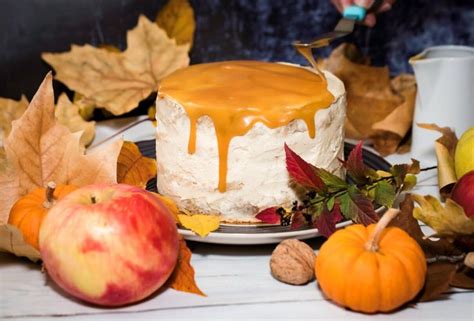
pixel 238 94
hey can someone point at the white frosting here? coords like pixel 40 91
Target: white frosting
pixel 257 177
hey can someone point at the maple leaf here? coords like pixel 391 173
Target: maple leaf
pixel 177 19
pixel 133 168
pixel 269 215
pixel 302 172
pixel 39 150
pixel 9 111
pixel 357 207
pixel 67 114
pixel 326 221
pixel 201 224
pixel 355 166
pixel 447 220
pixel 182 278
pixel 119 81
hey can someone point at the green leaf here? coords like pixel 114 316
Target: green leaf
pixel 330 203
pixel 331 181
pixel 409 182
pixel 384 193
pixel 355 206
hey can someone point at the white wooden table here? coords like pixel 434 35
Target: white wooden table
pixel 236 280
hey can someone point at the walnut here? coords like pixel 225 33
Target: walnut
pixel 292 262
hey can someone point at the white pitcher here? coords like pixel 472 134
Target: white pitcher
pixel 445 80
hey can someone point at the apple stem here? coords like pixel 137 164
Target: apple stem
pixel 93 199
pixel 374 239
pixel 49 201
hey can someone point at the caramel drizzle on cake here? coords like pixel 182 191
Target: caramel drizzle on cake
pixel 238 94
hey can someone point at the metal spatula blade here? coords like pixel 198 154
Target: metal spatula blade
pixel 345 26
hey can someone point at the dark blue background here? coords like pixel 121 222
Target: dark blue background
pixel 232 29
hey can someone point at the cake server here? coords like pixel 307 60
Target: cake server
pixel 345 26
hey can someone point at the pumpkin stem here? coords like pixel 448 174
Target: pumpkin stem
pixel 49 201
pixel 373 242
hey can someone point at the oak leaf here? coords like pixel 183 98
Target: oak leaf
pixel 133 168
pixel 68 114
pixel 182 278
pixel 119 81
pixel 447 220
pixel 39 150
pixel 201 224
pixel 177 19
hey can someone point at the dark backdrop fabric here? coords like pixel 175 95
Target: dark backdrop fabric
pixel 226 29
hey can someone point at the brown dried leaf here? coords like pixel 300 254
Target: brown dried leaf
pixel 9 111
pixel 409 224
pixel 445 147
pixel 11 240
pixel 438 278
pixel 370 97
pixel 40 150
pixel 67 114
pixel 182 278
pixel 177 19
pixel 377 107
pixel 464 278
pixel 133 168
pixel 119 81
pixel 389 132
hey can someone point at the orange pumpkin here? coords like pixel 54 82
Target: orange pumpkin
pixel 29 211
pixel 371 269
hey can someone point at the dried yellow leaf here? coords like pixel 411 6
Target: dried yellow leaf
pixel 11 240
pixel 447 220
pixel 9 111
pixel 200 224
pixel 177 19
pixel 39 150
pixel 119 81
pixel 170 204
pixel 182 278
pixel 133 168
pixel 67 114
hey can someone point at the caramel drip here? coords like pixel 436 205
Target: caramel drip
pixel 238 94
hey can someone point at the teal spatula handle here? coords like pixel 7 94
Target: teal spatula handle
pixel 354 13
pixel 358 13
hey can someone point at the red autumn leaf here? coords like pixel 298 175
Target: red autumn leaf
pixel 302 172
pixel 298 220
pixel 326 221
pixel 269 215
pixel 355 165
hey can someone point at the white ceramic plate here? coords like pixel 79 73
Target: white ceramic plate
pixel 246 234
pixel 255 238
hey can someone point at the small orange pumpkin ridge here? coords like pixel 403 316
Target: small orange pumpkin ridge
pixel 371 269
pixel 28 212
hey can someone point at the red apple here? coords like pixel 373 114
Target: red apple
pixel 109 244
pixel 463 193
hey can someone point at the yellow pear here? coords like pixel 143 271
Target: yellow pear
pixel 464 154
